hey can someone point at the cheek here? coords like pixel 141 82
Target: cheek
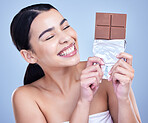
pixel 46 54
pixel 73 34
pixel 46 50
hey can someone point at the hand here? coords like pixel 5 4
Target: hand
pixel 90 78
pixel 122 75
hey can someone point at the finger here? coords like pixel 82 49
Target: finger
pixel 120 79
pixel 123 64
pixel 88 82
pixel 122 71
pixel 126 56
pixel 95 89
pixel 93 68
pixel 115 86
pixel 93 85
pixel 92 60
pixel 91 74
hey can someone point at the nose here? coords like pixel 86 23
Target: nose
pixel 64 37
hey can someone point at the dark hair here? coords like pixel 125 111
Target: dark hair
pixel 33 73
pixel 19 30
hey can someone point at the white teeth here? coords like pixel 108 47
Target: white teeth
pixel 65 53
pixel 62 54
pixel 69 50
pixel 72 48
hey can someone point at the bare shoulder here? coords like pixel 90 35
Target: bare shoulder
pixel 82 64
pixel 23 91
pixel 111 99
pixel 107 86
pixel 24 105
pixel 23 96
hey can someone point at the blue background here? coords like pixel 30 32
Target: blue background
pixel 81 16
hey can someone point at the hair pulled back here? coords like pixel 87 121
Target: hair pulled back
pixel 20 28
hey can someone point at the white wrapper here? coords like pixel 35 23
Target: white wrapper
pixel 108 50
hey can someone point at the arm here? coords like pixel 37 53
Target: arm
pixel 133 102
pixel 90 79
pixel 81 112
pixel 25 108
pixel 126 111
pixel 122 75
pixel 113 103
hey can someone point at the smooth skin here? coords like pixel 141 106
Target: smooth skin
pixel 71 90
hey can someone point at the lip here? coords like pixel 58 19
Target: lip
pixel 65 48
pixel 72 53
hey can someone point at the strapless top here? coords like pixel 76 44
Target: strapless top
pixel 102 117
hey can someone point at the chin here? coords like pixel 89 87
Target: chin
pixel 71 61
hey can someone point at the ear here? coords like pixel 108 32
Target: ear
pixel 29 56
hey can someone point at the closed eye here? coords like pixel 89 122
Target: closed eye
pixel 66 27
pixel 50 37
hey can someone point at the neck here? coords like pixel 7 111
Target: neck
pixel 61 79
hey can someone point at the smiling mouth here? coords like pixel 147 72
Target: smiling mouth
pixel 68 51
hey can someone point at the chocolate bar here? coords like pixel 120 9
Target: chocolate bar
pixel 110 26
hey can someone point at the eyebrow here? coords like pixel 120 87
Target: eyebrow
pixel 63 21
pixel 50 29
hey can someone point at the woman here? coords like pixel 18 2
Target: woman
pixel 65 89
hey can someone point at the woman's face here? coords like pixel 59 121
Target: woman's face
pixel 53 40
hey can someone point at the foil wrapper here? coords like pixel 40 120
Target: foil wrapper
pixel 108 50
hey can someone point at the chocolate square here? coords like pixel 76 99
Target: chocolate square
pixel 102 32
pixel 117 33
pixel 118 20
pixel 102 19
pixel 110 26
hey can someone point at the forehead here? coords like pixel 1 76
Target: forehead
pixel 47 19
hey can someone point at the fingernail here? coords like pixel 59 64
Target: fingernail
pixel 100 81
